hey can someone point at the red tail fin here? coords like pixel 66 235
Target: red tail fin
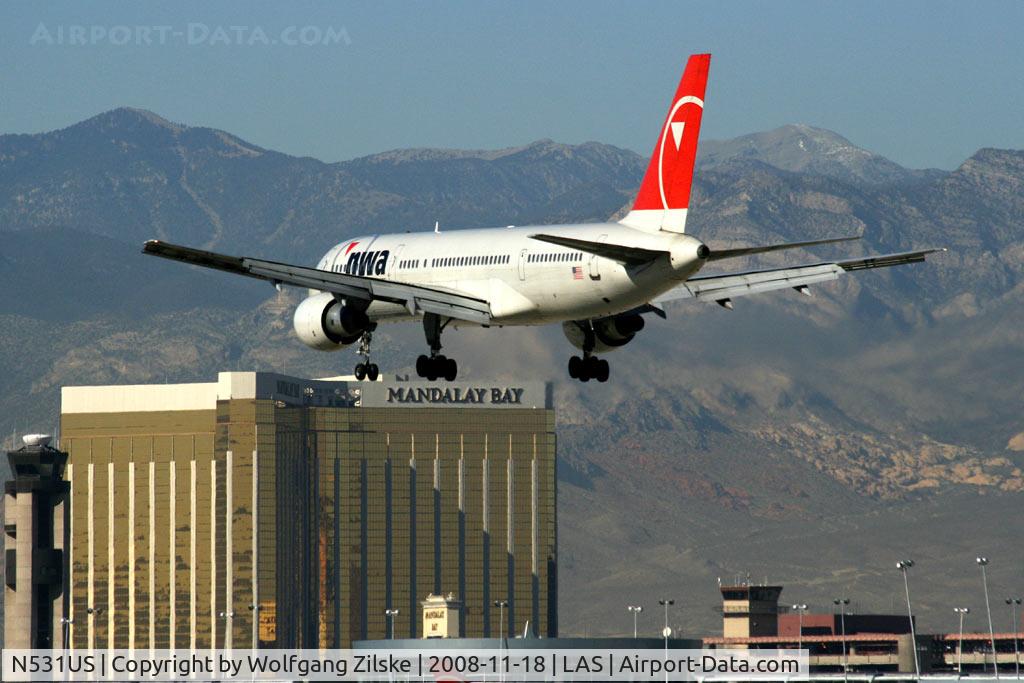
pixel 665 192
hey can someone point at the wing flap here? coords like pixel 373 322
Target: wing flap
pixel 414 297
pixel 631 256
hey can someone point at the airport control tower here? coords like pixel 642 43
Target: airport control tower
pixel 34 533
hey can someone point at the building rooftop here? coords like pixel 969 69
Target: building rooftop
pixel 850 637
pixel 290 390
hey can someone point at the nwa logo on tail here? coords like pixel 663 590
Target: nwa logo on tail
pixel 365 262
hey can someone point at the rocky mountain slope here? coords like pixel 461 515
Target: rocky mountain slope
pixel 811 440
pixel 806 149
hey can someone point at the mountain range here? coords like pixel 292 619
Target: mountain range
pixel 809 441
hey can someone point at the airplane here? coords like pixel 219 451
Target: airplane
pixel 597 280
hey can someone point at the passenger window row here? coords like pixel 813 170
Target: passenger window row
pixel 457 261
pixel 567 257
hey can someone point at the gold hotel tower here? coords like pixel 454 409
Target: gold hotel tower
pixel 273 511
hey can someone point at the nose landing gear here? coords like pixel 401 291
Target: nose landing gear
pixel 365 369
pixel 435 365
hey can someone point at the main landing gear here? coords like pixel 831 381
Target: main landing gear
pixel 435 365
pixel 365 369
pixel 589 366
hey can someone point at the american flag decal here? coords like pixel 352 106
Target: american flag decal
pixel 577 272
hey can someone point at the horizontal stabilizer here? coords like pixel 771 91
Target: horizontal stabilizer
pixel 886 260
pixel 730 285
pixel 630 256
pixel 719 254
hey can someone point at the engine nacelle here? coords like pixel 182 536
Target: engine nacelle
pixel 608 333
pixel 324 323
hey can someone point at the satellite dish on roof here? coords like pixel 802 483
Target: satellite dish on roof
pixel 37 439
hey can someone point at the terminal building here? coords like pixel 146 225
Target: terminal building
pixel 840 641
pixel 274 511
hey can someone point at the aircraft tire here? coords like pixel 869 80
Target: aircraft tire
pixel 586 369
pixel 575 366
pixel 372 372
pixel 601 370
pixel 436 367
pixel 422 365
pixel 451 369
pixel 360 372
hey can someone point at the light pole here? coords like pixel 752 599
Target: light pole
pixel 636 610
pixel 983 562
pixel 841 603
pixel 666 632
pixel 501 605
pixel 903 566
pixel 960 648
pixel 228 630
pixel 390 615
pixel 1014 603
pixel 66 628
pixel 799 609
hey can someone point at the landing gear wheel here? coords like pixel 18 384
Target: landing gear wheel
pixel 586 372
pixel 451 369
pixel 589 367
pixel 366 369
pixel 435 365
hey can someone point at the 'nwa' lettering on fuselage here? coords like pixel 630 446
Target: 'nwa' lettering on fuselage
pixel 367 262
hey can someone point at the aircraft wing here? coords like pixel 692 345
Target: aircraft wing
pixel 722 288
pixel 450 304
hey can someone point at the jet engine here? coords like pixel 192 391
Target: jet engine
pixel 326 324
pixel 608 333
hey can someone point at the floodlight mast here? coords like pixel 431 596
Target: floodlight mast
pixel 636 610
pixel 983 562
pixel 960 647
pixel 903 566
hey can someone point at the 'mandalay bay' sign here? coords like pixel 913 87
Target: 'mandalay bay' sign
pixel 464 394
pixel 512 395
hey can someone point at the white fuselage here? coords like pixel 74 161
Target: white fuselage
pixel 526 281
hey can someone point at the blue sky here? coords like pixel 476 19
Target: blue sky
pixel 924 83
